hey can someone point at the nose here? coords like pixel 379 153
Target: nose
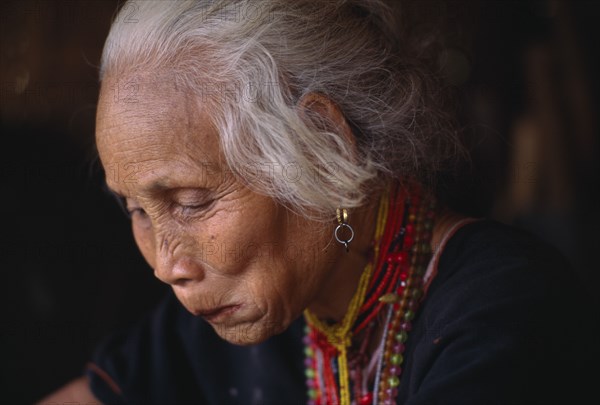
pixel 178 272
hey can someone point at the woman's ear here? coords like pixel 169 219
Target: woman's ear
pixel 320 111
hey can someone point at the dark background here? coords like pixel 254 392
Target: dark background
pixel 526 74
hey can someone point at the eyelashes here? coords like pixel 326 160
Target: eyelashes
pixel 191 210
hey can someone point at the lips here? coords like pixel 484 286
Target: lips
pixel 217 314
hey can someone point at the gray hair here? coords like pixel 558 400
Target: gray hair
pixel 251 61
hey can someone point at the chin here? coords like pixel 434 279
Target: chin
pixel 249 333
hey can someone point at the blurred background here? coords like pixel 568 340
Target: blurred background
pixel 526 75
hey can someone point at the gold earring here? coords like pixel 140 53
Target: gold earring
pixel 342 218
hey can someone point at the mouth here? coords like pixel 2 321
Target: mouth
pixel 218 314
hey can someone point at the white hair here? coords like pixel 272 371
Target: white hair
pixel 252 61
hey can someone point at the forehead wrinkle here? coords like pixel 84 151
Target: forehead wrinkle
pixel 151 110
pixel 143 130
pixel 162 134
pixel 200 134
pixel 159 178
pixel 160 109
pixel 141 124
pixel 159 129
pixel 153 154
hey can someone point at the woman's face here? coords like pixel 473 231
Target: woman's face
pixel 245 263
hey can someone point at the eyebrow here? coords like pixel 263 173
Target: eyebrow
pixel 156 186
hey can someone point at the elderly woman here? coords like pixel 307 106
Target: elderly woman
pixel 278 160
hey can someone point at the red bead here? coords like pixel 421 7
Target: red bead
pixel 410 229
pixel 366 399
pixel 408 241
pixel 397 257
pixel 402 257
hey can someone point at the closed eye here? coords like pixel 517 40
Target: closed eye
pixel 193 209
pixel 195 206
pixel 189 202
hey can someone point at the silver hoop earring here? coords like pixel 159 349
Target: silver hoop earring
pixel 342 218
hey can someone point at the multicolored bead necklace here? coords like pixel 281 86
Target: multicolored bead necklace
pixel 390 287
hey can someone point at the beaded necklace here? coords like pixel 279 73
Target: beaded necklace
pixel 390 287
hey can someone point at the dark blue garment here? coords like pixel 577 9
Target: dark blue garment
pixel 504 322
pixel 172 357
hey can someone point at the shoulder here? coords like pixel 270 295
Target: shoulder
pixel 500 319
pixel 503 278
pixel 501 259
pixel 492 241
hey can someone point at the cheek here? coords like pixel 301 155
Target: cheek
pixel 144 238
pixel 289 276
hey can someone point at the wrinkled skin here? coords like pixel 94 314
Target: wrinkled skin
pixel 216 242
pixel 212 239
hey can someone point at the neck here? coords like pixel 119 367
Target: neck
pixel 354 351
pixel 331 303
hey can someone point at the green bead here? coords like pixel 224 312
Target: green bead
pixel 416 293
pixel 310 373
pixel 312 393
pixel 409 315
pixel 396 359
pixel 306 329
pixel 394 381
pixel 308 351
pixel 402 336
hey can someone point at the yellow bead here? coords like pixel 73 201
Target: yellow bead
pixel 389 298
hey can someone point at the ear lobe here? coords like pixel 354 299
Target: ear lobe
pixel 320 111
